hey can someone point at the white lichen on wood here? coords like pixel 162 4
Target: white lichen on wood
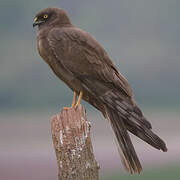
pixel 72 143
pixel 61 137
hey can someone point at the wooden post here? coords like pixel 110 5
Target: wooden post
pixel 72 143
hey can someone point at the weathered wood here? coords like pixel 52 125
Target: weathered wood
pixel 72 143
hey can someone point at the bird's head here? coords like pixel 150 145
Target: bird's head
pixel 52 17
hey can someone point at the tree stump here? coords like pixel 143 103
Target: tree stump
pixel 72 143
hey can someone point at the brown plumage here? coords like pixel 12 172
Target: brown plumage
pixel 81 62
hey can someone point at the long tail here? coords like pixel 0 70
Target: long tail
pixel 126 149
pixel 124 115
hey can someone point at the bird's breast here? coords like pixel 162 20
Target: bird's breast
pixel 46 53
pixel 43 49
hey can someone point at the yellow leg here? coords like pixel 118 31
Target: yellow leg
pixel 74 99
pixel 73 102
pixel 79 99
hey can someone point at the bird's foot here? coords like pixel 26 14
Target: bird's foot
pixel 74 104
pixel 67 108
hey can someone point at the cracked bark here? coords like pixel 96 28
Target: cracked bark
pixel 72 143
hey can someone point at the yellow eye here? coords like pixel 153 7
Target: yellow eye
pixel 45 16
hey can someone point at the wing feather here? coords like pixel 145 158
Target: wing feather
pixel 81 54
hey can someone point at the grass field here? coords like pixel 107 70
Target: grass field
pixel 169 173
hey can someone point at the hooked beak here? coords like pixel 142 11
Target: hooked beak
pixel 37 22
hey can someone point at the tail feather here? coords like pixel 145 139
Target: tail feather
pixel 126 148
pixel 126 108
pixel 146 135
pixel 125 115
pixel 133 119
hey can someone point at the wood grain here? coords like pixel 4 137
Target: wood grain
pixel 72 143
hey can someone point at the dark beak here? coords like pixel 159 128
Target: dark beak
pixel 37 22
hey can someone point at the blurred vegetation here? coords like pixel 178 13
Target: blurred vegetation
pixel 140 36
pixel 158 174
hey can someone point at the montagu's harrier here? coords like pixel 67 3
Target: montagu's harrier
pixel 82 63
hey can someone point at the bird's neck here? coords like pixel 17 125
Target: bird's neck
pixel 44 30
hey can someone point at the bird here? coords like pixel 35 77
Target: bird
pixel 84 66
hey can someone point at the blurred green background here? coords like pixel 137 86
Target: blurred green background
pixel 140 36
